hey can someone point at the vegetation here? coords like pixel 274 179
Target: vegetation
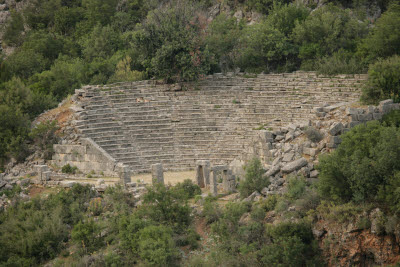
pixel 62 45
pixel 364 168
pixel 254 179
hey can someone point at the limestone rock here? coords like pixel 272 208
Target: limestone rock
pixel 274 170
pixel 336 128
pixel 294 165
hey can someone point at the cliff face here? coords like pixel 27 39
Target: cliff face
pixel 345 244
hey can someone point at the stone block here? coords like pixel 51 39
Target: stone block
pixel 336 128
pixel 294 165
pixel 377 116
pixel 335 140
pixel 310 151
pixel 157 173
pixel 288 157
pixel 274 170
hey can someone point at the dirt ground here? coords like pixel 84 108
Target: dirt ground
pixel 169 177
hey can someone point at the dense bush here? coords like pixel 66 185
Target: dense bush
pixel 187 187
pixel 172 44
pixel 340 62
pixel 384 38
pixel 69 169
pixel 44 136
pixel 392 118
pixel 383 81
pixel 87 235
pixel 364 167
pixel 325 31
pixel 254 179
pixel 36 231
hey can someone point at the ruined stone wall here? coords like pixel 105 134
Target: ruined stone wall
pixel 143 123
pixel 87 157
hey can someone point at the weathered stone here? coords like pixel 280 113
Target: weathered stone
pixel 203 173
pixel 377 116
pixel 289 136
pixel 335 140
pixel 157 173
pixel 274 170
pixel 279 138
pixel 288 157
pixel 124 173
pixel 314 174
pixel 310 151
pixel 336 128
pixel 294 165
pixel 252 196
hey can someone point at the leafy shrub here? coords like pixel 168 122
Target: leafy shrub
pixel 296 188
pixel 156 246
pixel 269 203
pixel 392 118
pixel 383 81
pixel 10 193
pixel 364 223
pixel 188 187
pixel 69 169
pixel 383 40
pixel 264 48
pixel 292 244
pixel 253 180
pixel 96 206
pixel 338 213
pixel 171 44
pixel 211 210
pixel 44 136
pixel 327 30
pixel 364 164
pixel 167 206
pixel 87 235
pixel 223 33
pixel 14 28
pixel 340 62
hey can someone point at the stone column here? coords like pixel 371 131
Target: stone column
pixel 213 184
pixel 203 173
pixel 125 174
pixel 43 173
pixel 157 173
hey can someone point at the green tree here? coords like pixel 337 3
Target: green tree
pixel 222 36
pixel 14 28
pixel 365 161
pixel 327 30
pixel 384 38
pixel 171 43
pixel 253 180
pixel 156 246
pixel 264 48
pixel 383 81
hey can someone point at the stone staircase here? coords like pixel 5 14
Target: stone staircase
pixel 143 123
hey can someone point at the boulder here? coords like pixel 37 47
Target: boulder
pixel 336 128
pixel 294 165
pixel 252 196
pixel 274 170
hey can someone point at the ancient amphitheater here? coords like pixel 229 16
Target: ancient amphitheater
pixel 142 123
